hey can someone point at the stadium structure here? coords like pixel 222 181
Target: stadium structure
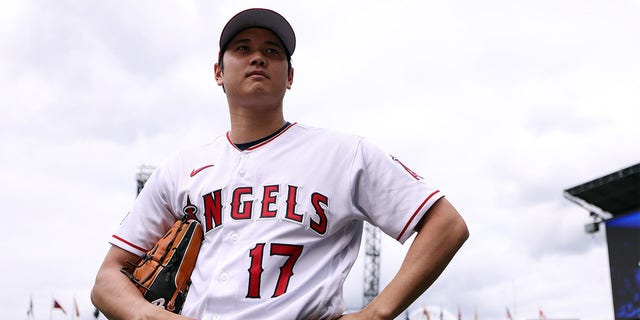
pixel 614 200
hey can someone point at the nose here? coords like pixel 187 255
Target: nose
pixel 258 60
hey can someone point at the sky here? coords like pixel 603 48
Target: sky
pixel 501 104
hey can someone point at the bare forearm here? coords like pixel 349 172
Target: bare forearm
pixel 442 234
pixel 118 298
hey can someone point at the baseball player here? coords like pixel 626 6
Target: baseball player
pixel 282 204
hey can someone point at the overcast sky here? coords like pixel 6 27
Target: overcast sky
pixel 503 104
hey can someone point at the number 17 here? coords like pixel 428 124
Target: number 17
pixel 293 252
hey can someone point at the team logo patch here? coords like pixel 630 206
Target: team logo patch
pixel 411 172
pixel 189 209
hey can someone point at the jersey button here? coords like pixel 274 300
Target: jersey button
pixel 235 237
pixel 224 276
pixel 242 173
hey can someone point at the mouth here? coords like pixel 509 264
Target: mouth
pixel 257 73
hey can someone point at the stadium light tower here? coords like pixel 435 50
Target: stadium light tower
pixel 371 263
pixel 144 172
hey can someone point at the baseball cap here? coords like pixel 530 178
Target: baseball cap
pixel 260 18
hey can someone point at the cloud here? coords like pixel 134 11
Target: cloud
pixel 502 105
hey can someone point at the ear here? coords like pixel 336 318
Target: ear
pixel 290 78
pixel 218 74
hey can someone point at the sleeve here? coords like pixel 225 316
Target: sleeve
pixel 390 195
pixel 151 216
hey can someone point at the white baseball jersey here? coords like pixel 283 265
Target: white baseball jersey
pixel 282 219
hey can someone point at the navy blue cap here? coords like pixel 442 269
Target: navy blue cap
pixel 259 18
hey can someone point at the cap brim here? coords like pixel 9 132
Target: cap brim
pixel 259 18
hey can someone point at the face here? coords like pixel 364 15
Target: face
pixel 255 68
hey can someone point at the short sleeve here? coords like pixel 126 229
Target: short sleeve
pixel 391 196
pixel 150 217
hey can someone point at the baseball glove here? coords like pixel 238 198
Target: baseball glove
pixel 163 273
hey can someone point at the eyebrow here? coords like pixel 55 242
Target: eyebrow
pixel 274 43
pixel 269 42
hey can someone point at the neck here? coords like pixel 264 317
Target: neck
pixel 251 126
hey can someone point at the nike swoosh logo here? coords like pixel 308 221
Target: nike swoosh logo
pixel 194 172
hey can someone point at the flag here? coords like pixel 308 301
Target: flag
pixel 30 310
pixel 96 313
pixel 459 313
pixel 75 303
pixel 475 313
pixel 541 315
pixel 426 313
pixel 57 305
pixel 441 315
pixel 509 315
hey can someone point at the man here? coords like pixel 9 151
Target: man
pixel 282 205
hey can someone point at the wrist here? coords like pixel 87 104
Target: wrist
pixel 148 311
pixel 377 311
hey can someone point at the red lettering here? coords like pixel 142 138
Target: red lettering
pixel 292 253
pixel 267 200
pixel 212 210
pixel 291 205
pixel 255 271
pixel 319 202
pixel 245 213
pixel 242 204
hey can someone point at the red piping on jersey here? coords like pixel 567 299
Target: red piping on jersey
pixel 262 143
pixel 416 213
pixel 129 243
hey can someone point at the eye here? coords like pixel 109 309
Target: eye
pixel 272 51
pixel 242 48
